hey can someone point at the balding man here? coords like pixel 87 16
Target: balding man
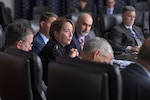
pixel 98 50
pixel 81 35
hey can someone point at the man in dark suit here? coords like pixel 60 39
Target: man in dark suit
pixel 83 27
pixel 18 35
pixel 109 9
pixel 42 37
pixel 127 37
pixel 136 77
pixel 84 6
pixel 97 50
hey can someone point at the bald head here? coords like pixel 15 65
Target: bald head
pixel 85 16
pixel 84 23
pixel 98 50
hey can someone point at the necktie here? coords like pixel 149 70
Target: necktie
pixel 136 37
pixel 109 11
pixel 82 43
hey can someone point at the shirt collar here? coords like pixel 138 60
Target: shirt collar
pixel 128 27
pixel 80 37
pixel 44 38
pixel 110 9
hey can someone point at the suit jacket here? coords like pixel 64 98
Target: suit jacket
pixel 120 37
pixel 136 83
pixel 49 53
pixel 103 11
pixel 38 43
pixel 75 43
pixel 88 8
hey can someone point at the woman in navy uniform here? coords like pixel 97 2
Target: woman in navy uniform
pixel 61 33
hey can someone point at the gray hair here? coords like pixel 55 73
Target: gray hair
pixel 128 8
pixel 98 43
pixel 17 31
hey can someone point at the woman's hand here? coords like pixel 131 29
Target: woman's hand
pixel 73 53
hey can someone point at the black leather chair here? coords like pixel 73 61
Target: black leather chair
pixel 5 15
pixel 36 13
pixel 38 10
pixel 23 21
pixel 74 16
pixel 2 37
pixel 143 16
pixel 142 6
pixel 107 22
pixel 75 79
pixel 142 20
pixel 34 25
pixel 36 71
pixel 15 80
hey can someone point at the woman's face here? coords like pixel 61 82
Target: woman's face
pixel 64 36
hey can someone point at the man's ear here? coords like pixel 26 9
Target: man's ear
pixel 18 44
pixel 96 53
pixel 55 34
pixel 42 23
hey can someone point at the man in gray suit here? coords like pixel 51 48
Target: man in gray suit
pixel 127 37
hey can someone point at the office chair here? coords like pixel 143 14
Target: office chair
pixel 5 15
pixel 142 20
pixel 107 22
pixel 22 21
pixel 34 25
pixel 15 80
pixel 35 68
pixel 2 37
pixel 142 6
pixel 38 10
pixel 75 79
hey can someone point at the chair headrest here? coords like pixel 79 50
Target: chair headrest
pixel 109 21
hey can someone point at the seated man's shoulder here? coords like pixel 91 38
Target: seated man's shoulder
pixel 117 27
pixel 138 27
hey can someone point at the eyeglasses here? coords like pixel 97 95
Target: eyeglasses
pixel 29 44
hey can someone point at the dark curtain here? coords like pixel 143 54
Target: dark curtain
pixel 23 8
pixel 69 5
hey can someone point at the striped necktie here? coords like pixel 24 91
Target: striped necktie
pixel 82 42
pixel 135 36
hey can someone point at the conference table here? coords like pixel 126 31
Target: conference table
pixel 124 59
pixel 126 56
